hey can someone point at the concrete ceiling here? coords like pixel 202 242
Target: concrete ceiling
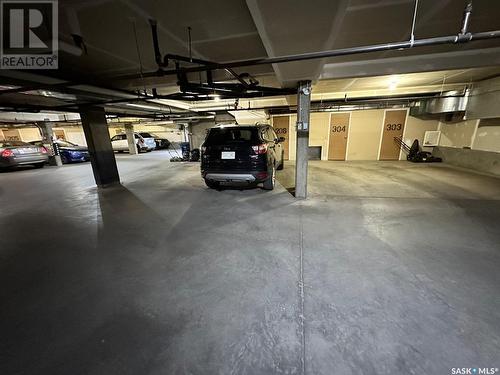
pixel 400 84
pixel 227 30
pixel 118 39
pixel 379 86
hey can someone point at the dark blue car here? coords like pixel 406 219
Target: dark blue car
pixel 70 152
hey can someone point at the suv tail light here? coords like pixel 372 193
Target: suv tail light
pixel 260 149
pixel 7 153
pixel 43 150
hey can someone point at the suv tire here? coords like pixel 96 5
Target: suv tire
pixel 212 184
pixel 271 180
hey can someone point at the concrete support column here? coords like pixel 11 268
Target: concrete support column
pixel 48 142
pixel 101 153
pixel 132 147
pixel 224 117
pixel 302 154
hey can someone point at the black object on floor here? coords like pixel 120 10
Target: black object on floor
pixel 414 154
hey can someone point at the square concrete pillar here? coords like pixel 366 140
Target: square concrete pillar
pixel 102 156
pixel 132 146
pixel 302 157
pixel 48 142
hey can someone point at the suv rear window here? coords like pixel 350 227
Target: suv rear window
pixel 218 136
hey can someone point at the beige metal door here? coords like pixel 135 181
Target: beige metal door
pixel 59 134
pixel 339 130
pixel 12 135
pixel 281 125
pixel 394 125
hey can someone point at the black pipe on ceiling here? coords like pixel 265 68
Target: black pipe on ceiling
pixel 463 36
pixel 332 53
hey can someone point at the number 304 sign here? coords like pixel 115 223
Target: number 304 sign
pixel 338 129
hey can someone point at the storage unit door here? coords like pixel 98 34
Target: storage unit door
pixel 281 125
pixel 339 129
pixel 394 125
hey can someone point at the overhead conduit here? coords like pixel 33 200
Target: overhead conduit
pixel 464 36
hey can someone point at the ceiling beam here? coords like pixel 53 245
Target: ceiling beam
pixel 413 64
pixel 256 13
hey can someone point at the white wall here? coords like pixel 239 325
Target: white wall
pixel 459 134
pixel 30 134
pixel 318 132
pixel 364 133
pixel 170 132
pixel 483 135
pixel 75 135
pixel 487 136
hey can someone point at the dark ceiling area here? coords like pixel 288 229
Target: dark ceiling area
pixel 141 57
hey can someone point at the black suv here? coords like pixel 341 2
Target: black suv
pixel 241 154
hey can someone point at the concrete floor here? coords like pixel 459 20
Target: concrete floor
pixel 164 276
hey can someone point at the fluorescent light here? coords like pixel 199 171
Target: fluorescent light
pixel 143 106
pixel 393 82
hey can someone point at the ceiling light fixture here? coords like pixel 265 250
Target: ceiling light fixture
pixel 393 82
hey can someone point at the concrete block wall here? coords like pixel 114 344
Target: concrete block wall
pixel 482 135
pixel 198 131
pixel 481 161
pixel 487 135
pixel 458 134
pixel 473 144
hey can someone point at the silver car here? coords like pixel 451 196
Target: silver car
pixel 14 153
pixel 119 143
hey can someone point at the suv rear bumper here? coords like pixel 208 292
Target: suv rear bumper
pixel 246 177
pixel 23 160
pixel 230 177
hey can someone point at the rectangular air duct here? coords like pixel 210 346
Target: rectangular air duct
pixel 450 106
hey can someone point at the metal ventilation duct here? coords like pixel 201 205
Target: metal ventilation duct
pixel 449 106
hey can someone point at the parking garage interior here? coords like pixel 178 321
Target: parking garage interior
pixel 377 251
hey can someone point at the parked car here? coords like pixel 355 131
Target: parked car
pixel 15 153
pixel 241 154
pixel 120 143
pixel 161 143
pixel 70 152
